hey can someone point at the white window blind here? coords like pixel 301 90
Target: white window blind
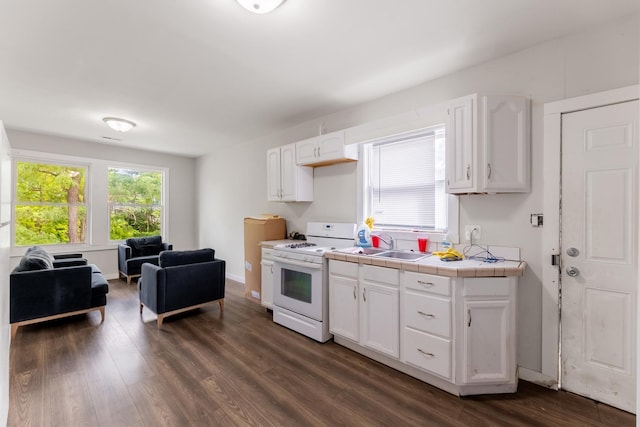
pixel 406 180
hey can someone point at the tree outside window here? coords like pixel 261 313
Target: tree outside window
pixel 50 205
pixel 135 203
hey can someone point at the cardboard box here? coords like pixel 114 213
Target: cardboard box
pixel 256 230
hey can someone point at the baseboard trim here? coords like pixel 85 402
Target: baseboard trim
pixel 537 378
pixel 235 278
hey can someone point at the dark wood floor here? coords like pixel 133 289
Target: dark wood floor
pixel 240 369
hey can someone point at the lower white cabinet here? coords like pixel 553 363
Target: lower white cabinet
pixel 364 306
pixel 458 334
pixel 488 330
pixel 266 264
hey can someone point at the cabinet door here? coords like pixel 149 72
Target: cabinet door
pixel 273 174
pixel 380 318
pixel 331 146
pixel 460 146
pixel 267 283
pixel 506 143
pixel 288 171
pixel 487 350
pixel 343 307
pixel 307 151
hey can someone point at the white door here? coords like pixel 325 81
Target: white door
pixel 380 318
pixel 273 174
pixel 289 183
pixel 343 307
pixel 599 220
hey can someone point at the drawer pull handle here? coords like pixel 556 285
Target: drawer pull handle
pixel 427 354
pixel 354 293
pixel 427 315
pixel 425 284
pixel 364 295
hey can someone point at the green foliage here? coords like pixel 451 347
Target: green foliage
pixel 134 197
pixel 51 198
pixel 44 195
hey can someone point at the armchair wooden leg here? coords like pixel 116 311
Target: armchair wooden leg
pixel 128 280
pixel 102 314
pixel 221 302
pixel 160 319
pixel 14 330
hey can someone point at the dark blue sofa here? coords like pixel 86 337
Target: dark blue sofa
pixel 183 280
pixel 45 287
pixel 137 251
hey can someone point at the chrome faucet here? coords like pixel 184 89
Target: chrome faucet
pixel 391 243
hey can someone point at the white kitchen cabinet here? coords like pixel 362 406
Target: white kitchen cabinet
pixel 325 150
pixel 427 323
pixel 286 181
pixel 364 305
pixel 380 309
pixel 488 331
pixel 266 290
pixel 488 144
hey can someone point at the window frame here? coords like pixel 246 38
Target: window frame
pixel 163 191
pixel 407 234
pixel 54 161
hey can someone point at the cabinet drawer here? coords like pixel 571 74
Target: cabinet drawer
pixel 343 268
pixel 428 314
pixel 427 283
pixel 486 287
pixel 388 276
pixel 427 352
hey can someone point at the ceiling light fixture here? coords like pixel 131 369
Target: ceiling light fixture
pixel 260 6
pixel 120 125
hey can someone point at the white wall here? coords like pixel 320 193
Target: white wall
pixel 5 340
pixel 181 230
pixel 232 181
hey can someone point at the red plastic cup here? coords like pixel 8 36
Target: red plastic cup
pixel 376 241
pixel 422 244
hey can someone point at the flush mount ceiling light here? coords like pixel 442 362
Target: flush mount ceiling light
pixel 120 125
pixel 260 6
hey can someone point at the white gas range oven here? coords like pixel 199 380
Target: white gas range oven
pixel 301 279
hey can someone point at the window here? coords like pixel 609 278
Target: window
pixel 135 203
pixel 403 177
pixel 50 204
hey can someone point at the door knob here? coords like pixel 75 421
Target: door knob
pixel 573 252
pixel 572 271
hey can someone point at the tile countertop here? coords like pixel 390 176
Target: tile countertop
pixel 433 265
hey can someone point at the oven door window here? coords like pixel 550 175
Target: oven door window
pixel 296 285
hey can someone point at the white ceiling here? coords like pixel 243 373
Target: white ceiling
pixel 197 74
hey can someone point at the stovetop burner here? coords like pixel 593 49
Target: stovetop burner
pixel 299 245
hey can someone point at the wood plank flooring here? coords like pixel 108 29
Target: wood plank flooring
pixel 202 369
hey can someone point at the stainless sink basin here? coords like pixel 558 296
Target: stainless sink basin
pixel 372 251
pixel 407 256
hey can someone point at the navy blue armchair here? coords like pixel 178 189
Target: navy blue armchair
pixel 183 280
pixel 137 251
pixel 44 287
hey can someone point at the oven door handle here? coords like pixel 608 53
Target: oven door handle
pixel 283 261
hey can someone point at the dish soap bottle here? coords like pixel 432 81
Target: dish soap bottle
pixel 363 236
pixel 446 244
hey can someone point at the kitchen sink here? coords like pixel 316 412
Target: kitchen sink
pixel 407 256
pixel 372 251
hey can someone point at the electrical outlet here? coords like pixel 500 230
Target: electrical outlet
pixel 476 230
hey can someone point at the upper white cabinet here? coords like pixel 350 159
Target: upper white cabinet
pixel 286 181
pixel 488 144
pixel 325 150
